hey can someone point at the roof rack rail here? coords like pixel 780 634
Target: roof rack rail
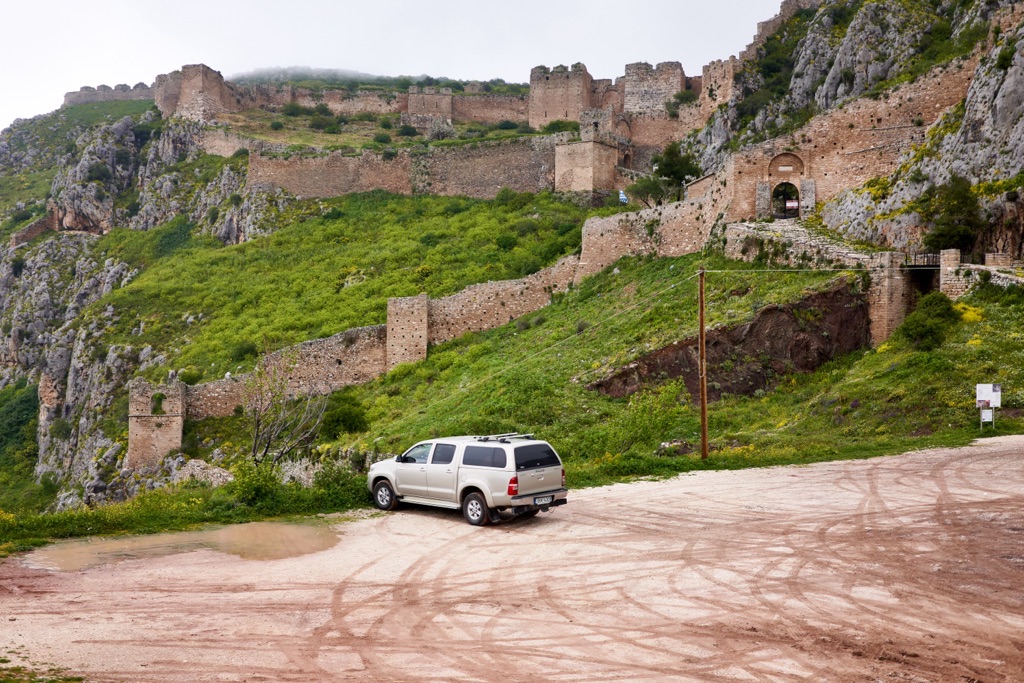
pixel 503 438
pixel 495 437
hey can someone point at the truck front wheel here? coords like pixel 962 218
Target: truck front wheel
pixel 384 496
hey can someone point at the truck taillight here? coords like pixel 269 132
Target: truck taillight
pixel 563 477
pixel 513 486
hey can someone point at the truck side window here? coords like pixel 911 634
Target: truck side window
pixel 443 454
pixel 417 454
pixel 484 456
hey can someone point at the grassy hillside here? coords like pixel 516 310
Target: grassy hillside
pixel 886 400
pixel 333 268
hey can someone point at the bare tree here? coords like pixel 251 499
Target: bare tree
pixel 278 423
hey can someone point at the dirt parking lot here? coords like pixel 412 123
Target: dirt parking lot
pixel 908 568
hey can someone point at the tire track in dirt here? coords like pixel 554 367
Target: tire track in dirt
pixel 904 568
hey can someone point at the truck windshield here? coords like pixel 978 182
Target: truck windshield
pixel 536 455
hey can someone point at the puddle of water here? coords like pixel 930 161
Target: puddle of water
pixel 254 541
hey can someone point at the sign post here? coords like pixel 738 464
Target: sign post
pixel 988 397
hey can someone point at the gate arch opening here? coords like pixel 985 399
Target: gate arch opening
pixel 786 201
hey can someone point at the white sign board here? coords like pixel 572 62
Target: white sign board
pixel 993 393
pixel 792 203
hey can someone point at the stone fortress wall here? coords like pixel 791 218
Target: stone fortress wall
pixel 104 93
pixel 474 169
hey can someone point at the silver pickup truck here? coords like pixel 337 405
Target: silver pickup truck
pixel 482 475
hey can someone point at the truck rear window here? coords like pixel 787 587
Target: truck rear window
pixel 536 455
pixel 484 456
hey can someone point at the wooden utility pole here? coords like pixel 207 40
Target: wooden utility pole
pixel 702 372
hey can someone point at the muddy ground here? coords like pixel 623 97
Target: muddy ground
pixel 908 568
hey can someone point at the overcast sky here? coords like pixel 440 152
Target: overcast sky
pixel 51 47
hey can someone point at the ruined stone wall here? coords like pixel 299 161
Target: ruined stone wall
pixel 558 93
pixel 481 170
pixel 45 224
pixel 321 367
pixel 220 142
pixel 649 134
pixel 585 167
pixel 153 433
pixel 717 85
pixel 199 93
pixel 765 29
pixel 843 148
pixel 325 365
pixel 104 93
pixel 219 398
pixel 954 281
pixel 491 108
pixel 492 304
pixel 344 102
pixel 332 175
pixel 604 94
pixel 407 330
pixel 473 169
pixel 647 89
pixel 666 231
pixel 432 102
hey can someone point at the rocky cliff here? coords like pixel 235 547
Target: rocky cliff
pixel 846 49
pixel 982 140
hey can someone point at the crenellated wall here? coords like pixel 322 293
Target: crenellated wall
pixel 104 93
pixel 647 89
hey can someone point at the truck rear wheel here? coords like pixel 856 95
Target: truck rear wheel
pixel 474 509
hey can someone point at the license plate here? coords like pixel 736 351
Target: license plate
pixel 543 500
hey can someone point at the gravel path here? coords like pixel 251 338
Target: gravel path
pixel 906 568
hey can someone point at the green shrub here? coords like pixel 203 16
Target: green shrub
pixel 407 131
pixel 243 350
pixel 332 129
pixel 18 266
pixel 295 109
pixel 506 242
pixel 344 415
pixel 561 126
pixel 1005 59
pixel 955 213
pixel 926 328
pixel 507 125
pixel 235 199
pixel 385 123
pixel 98 172
pixel 276 125
pixel 191 375
pixel 240 152
pixel 212 214
pixel 318 122
pixel 382 138
pixel 322 109
pixel 19 216
pixel 679 99
pixel 525 128
pixel 256 486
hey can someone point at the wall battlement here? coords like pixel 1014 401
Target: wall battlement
pixel 104 93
